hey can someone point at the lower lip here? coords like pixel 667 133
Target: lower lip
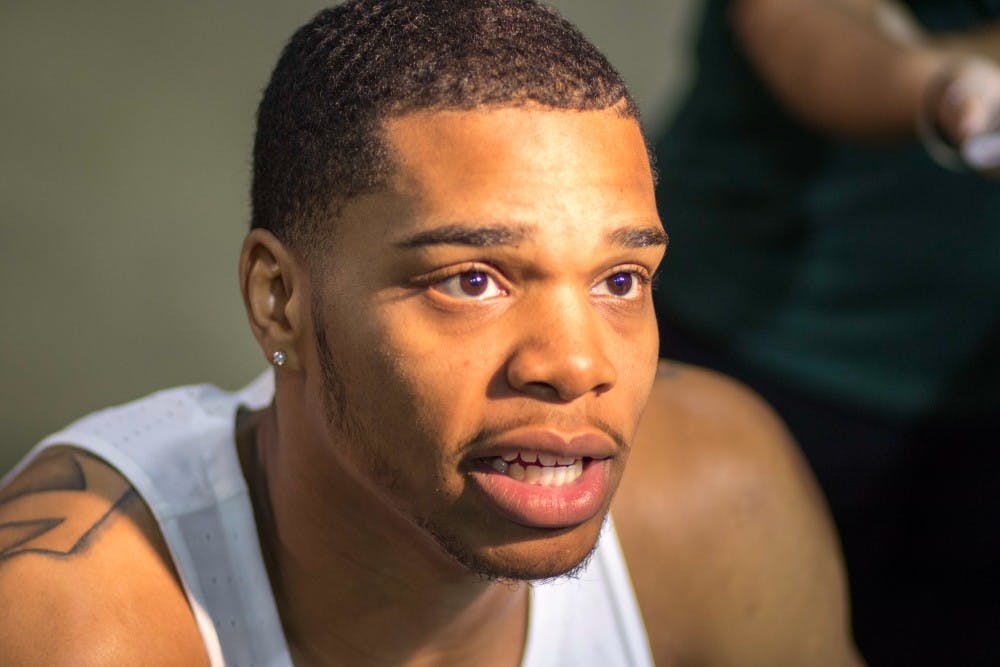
pixel 547 506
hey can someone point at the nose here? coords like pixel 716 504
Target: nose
pixel 562 353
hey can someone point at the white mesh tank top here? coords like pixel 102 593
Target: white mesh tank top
pixel 177 448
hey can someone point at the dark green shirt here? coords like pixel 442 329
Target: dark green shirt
pixel 868 275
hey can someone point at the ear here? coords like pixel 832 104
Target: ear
pixel 275 295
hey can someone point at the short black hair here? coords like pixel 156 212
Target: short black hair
pixel 318 140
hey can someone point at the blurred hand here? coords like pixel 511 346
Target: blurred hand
pixel 966 108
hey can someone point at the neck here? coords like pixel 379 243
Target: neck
pixel 357 583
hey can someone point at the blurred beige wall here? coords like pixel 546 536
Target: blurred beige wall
pixel 124 170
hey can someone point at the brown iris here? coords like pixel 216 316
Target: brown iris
pixel 620 284
pixel 474 283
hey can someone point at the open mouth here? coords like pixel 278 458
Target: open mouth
pixel 543 490
pixel 537 468
pixel 540 478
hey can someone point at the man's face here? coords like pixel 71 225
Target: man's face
pixel 489 324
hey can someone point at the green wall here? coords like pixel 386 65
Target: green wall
pixel 124 169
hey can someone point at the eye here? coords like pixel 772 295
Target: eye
pixel 622 285
pixel 474 285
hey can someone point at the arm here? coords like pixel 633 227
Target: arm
pixel 729 545
pixel 865 69
pixel 84 576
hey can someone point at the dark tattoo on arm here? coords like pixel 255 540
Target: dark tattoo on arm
pixel 33 508
pixel 56 472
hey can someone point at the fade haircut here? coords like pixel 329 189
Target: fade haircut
pixel 343 74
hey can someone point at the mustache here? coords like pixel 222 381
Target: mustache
pixel 563 423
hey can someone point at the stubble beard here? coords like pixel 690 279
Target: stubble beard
pixel 342 417
pixel 489 570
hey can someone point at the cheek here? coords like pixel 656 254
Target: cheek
pixel 419 380
pixel 636 362
pixel 446 384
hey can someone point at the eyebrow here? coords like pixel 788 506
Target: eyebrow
pixel 639 237
pixel 486 236
pixel 479 237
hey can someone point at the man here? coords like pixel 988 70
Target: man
pixel 454 235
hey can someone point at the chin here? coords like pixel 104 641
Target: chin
pixel 534 555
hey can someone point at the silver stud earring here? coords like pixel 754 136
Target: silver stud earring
pixel 278 358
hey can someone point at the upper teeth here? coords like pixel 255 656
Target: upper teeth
pixel 541 459
pixel 539 469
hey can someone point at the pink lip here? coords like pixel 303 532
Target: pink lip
pixel 547 506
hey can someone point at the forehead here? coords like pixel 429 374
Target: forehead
pixel 524 165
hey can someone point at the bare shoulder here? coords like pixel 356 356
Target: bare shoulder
pixel 85 578
pixel 729 544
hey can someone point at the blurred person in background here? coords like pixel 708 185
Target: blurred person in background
pixel 835 243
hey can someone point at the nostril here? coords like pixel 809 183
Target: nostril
pixel 543 389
